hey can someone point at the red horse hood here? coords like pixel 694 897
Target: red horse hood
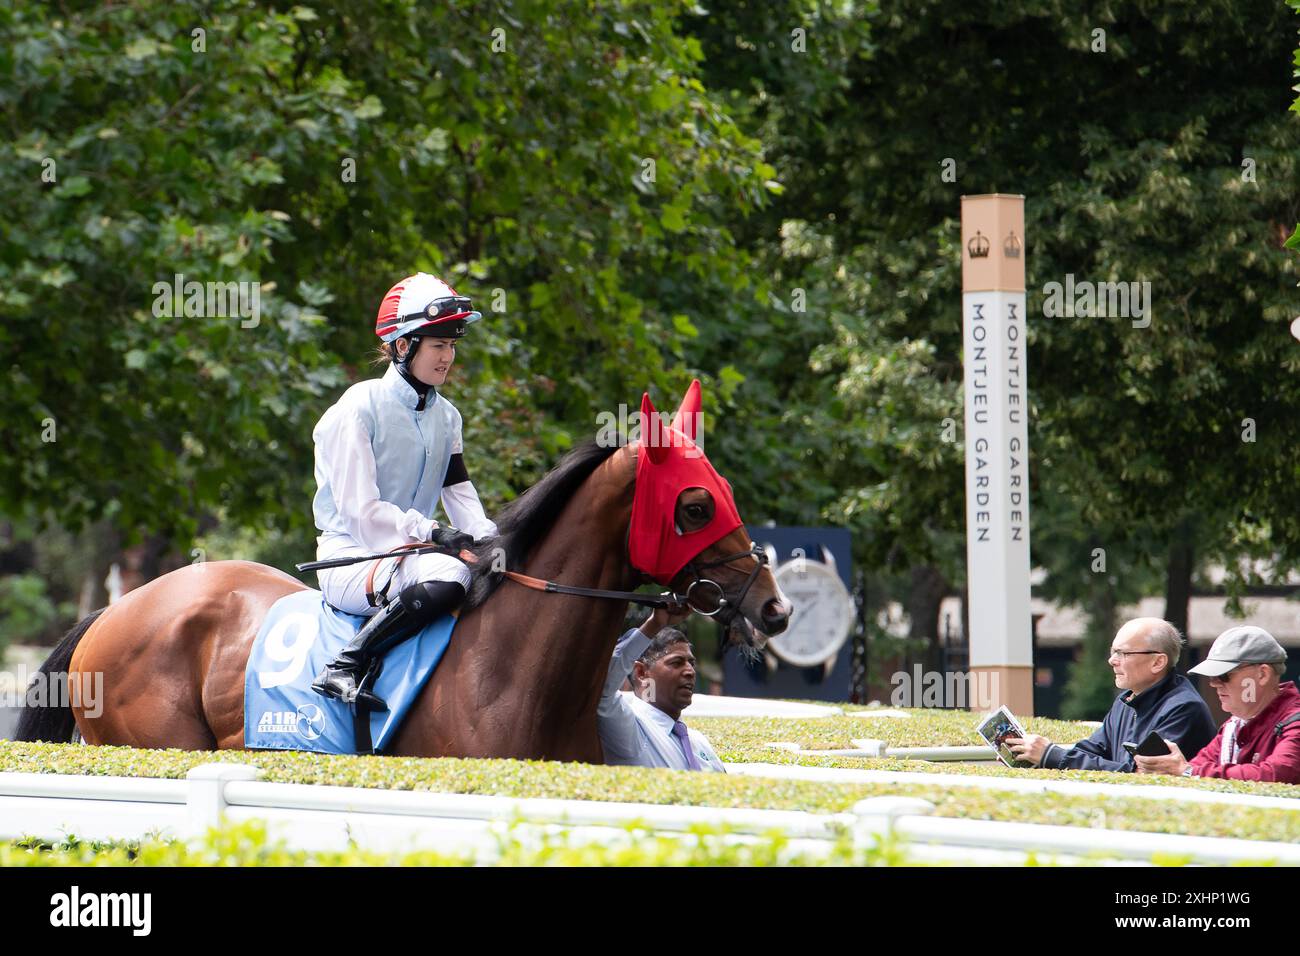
pixel 669 463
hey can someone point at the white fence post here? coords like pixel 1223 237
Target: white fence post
pixel 206 797
pixel 870 746
pixel 876 816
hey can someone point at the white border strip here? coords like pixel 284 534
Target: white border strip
pixel 1014 784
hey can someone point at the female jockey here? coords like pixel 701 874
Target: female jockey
pixel 385 452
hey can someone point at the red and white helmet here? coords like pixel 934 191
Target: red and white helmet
pixel 426 304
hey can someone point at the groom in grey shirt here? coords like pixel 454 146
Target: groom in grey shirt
pixel 644 729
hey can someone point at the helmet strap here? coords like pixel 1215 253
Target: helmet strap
pixel 422 389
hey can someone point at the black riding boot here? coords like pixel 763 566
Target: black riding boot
pixel 415 607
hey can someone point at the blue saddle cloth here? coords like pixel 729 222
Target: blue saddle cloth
pixel 300 635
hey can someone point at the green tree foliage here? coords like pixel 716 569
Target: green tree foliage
pixel 1167 156
pixel 594 177
pixel 25 609
pixel 1152 144
pixel 563 165
pixel 1295 5
pixel 780 68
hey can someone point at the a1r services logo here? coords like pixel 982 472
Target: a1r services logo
pixel 307 721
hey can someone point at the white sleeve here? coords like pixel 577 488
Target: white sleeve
pixel 349 465
pixel 616 722
pixel 465 511
pixel 457 435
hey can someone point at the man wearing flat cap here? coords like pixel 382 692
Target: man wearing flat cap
pixel 1260 740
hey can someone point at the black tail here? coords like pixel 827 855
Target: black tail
pixel 49 721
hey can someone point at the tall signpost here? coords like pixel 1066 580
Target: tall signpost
pixel 997 451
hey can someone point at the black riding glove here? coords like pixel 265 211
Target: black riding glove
pixel 452 538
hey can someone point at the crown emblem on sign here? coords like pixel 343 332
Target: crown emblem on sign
pixel 978 247
pixel 1011 247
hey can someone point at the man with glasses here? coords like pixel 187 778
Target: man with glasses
pixel 1155 698
pixel 1260 740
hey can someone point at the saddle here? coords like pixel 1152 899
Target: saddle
pixel 301 633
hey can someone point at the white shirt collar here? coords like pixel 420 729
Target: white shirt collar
pixel 653 714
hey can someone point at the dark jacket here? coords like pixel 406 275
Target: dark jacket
pixel 1172 708
pixel 1268 746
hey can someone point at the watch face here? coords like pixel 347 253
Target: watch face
pixel 822 617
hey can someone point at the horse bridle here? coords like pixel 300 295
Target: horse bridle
pixel 726 611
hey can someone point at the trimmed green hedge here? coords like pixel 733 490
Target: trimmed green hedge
pixel 746 740
pixel 737 740
pixel 516 778
pixel 924 728
pixel 248 844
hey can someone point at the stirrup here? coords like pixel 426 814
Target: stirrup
pixel 343 686
pixel 364 698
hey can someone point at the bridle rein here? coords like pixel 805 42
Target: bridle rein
pixel 698 597
pixel 721 608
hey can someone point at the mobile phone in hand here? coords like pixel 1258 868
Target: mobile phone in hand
pixel 1153 746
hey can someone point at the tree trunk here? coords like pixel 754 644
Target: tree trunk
pixel 965 620
pixel 16 557
pixel 1090 688
pixel 105 544
pixel 1103 610
pixel 1178 579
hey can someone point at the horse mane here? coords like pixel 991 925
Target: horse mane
pixel 526 520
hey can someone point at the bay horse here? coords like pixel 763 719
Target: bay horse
pixel 524 670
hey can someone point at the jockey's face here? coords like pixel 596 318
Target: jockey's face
pixel 433 359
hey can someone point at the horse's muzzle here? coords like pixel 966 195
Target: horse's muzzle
pixel 776 617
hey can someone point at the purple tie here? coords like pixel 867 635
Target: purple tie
pixel 679 731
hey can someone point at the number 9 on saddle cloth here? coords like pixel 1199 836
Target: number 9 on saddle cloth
pixel 300 635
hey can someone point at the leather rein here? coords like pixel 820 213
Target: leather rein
pixel 715 604
pixel 722 609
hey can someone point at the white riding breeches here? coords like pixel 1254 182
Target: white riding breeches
pixel 345 587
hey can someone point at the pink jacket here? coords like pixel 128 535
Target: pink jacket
pixel 1263 753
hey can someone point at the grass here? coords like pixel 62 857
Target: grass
pixel 924 728
pixel 516 778
pixel 746 739
pixel 248 844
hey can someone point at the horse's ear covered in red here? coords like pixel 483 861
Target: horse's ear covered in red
pixel 688 413
pixel 652 432
pixel 671 463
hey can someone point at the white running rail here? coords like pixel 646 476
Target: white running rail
pixel 52 806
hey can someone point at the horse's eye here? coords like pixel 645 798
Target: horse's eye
pixel 695 511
